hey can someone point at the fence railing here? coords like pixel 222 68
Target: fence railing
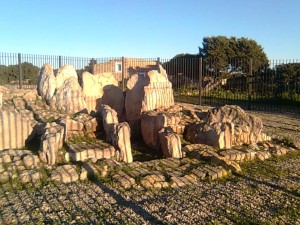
pixel 271 86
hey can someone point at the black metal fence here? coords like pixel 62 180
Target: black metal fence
pixel 272 86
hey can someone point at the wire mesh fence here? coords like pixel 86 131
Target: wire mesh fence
pixel 272 86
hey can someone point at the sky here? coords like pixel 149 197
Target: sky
pixel 145 28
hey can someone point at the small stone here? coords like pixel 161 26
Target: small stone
pixel 4 177
pixel 123 180
pixel 83 174
pixel 29 176
pixel 65 174
pixel 31 161
pixel 263 155
pixel 5 159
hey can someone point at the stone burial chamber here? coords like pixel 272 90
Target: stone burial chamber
pixel 91 121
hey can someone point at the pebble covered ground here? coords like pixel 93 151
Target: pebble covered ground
pixel 265 192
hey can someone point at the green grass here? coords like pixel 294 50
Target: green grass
pixel 268 168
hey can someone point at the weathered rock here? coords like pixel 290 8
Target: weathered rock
pixel 278 150
pixel 5 158
pixel 170 143
pixel 15 153
pixel 65 174
pixel 1 99
pixel 31 161
pixel 46 84
pixel 91 125
pixel 29 176
pixel 85 151
pixel 226 163
pixel 19 102
pixel 15 129
pixel 102 89
pixel 151 124
pixel 121 140
pixel 30 95
pixel 65 73
pixel 51 142
pixel 110 119
pixel 263 155
pixel 154 180
pixel 123 180
pixel 225 127
pixel 68 96
pixel 89 170
pixel 4 177
pixel 71 127
pixel 146 93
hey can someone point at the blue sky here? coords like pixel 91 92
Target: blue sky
pixel 145 28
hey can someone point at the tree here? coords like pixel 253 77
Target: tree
pixel 90 66
pixel 288 77
pixel 218 49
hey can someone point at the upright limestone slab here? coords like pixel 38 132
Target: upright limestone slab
pixel 51 142
pixel 69 97
pixel 146 93
pixel 117 133
pixel 151 124
pixel 102 89
pixel 14 129
pixel 170 143
pixel 121 139
pixel 110 119
pixel 61 92
pixel 46 83
pixel 1 99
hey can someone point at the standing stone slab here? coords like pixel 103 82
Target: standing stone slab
pixel 1 99
pixel 146 93
pixel 121 139
pixel 69 97
pixel 102 89
pixel 46 84
pixel 170 143
pixel 151 124
pixel 14 129
pixel 51 142
pixel 110 119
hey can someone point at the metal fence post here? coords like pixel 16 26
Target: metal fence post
pixel 20 70
pixel 249 82
pixel 59 62
pixel 93 64
pixel 158 62
pixel 123 73
pixel 200 81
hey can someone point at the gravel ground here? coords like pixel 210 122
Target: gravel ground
pixel 265 192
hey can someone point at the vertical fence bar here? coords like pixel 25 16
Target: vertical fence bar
pixel 93 64
pixel 59 61
pixel 123 73
pixel 200 81
pixel 158 61
pixel 249 82
pixel 20 70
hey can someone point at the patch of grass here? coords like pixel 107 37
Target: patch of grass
pixel 78 139
pixel 268 168
pixel 141 152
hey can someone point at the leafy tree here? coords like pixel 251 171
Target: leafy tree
pixel 9 74
pixel 90 66
pixel 218 49
pixel 288 77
